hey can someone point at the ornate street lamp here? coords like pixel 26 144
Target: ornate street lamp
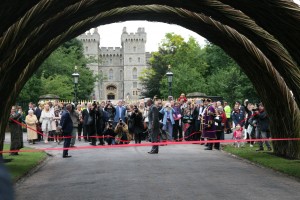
pixel 75 80
pixel 169 75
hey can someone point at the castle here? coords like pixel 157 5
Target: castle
pixel 117 69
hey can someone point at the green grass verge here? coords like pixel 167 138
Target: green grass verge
pixel 266 159
pixel 23 163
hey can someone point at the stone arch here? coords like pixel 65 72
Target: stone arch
pixel 248 55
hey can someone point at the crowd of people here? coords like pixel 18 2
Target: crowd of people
pixel 102 123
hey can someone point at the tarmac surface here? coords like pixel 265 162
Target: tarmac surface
pixel 177 172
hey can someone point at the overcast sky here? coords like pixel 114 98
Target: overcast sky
pixel 110 35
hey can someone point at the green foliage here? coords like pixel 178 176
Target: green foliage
pixel 53 85
pixel 55 75
pixel 184 58
pixel 194 81
pixel 207 70
pixel 30 92
pixel 225 78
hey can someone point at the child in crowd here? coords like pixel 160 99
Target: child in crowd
pixel 237 135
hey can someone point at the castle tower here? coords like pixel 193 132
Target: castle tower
pixel 91 43
pixel 134 61
pixel 117 69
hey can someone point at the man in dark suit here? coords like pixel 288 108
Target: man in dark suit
pixel 153 127
pixel 67 128
pixel 86 126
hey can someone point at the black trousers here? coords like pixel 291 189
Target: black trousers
pixel 67 142
pixel 86 130
pixel 154 138
pixel 101 139
pixel 177 131
pixel 79 129
pixel 219 136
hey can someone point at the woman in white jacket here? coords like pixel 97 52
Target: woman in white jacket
pixel 46 120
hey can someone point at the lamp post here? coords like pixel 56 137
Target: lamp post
pixel 75 80
pixel 170 79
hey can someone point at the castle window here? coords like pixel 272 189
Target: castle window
pixel 110 74
pixel 121 61
pixel 134 73
pixel 86 49
pixel 111 88
pixel 121 75
pixel 134 84
pixel 134 49
pixel 130 59
pixel 139 59
pixel 133 93
pixel 110 61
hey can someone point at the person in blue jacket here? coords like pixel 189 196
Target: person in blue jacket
pixel 168 120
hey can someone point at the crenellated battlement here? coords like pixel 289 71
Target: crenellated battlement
pixel 110 51
pixel 139 36
pixel 90 37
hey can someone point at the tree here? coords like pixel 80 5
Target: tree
pixel 191 82
pixel 208 70
pixel 183 57
pixel 225 78
pixel 55 75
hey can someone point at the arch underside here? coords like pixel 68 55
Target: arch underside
pixel 264 51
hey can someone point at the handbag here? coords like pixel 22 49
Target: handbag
pixel 131 124
pixel 178 117
pixel 187 119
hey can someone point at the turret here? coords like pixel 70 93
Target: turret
pixel 91 43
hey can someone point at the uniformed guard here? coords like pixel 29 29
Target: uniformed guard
pixel 209 131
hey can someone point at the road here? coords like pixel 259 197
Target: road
pixel 177 172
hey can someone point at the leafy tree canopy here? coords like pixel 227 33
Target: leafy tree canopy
pixel 54 76
pixel 208 70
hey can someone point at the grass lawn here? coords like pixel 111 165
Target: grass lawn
pixel 266 159
pixel 23 163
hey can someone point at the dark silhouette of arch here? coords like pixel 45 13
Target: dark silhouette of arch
pixel 39 27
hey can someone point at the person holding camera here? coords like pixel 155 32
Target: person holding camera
pixel 262 127
pixel 75 119
pixel 138 126
pixel 110 133
pixel 111 111
pixel 92 122
pixel 100 123
pixel 120 113
pixel 122 133
pixel 168 120
pixel 16 131
pixel 85 123
pixel 238 116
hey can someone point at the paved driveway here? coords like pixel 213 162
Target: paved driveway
pixel 177 172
